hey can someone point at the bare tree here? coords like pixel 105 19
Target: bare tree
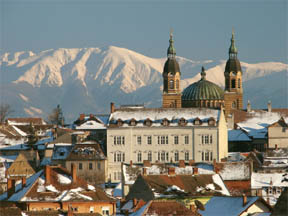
pixel 5 111
pixel 56 116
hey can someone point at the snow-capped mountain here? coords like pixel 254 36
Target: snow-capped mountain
pixel 88 79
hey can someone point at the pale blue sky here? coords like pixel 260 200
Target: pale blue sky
pixel 202 29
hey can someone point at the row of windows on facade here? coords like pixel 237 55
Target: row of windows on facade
pixel 204 139
pixel 90 166
pixel 165 122
pixel 163 156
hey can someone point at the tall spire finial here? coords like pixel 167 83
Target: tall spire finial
pixel 203 74
pixel 171 52
pixel 232 49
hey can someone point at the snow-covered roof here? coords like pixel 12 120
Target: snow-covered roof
pixel 235 170
pixel 91 125
pixel 226 206
pixel 60 152
pixel 256 126
pixel 260 180
pixel 237 135
pixel 158 115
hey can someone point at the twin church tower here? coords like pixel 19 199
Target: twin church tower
pixel 203 93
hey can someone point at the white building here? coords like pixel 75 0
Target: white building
pixel 164 135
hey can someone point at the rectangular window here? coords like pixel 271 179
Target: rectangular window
pixel 118 157
pixel 186 156
pixel 149 140
pixel 139 157
pixel 211 140
pixel 162 156
pixel 139 140
pixel 176 140
pixel 118 140
pixel 90 166
pixel 206 139
pixel 176 158
pixel 202 139
pixel 211 156
pixel 158 156
pixel 186 139
pixel 123 157
pixel 202 156
pixel 167 156
pixel 162 139
pixel 150 156
pixel 119 175
pixel 206 156
pixel 115 142
pixel 123 140
pixel 99 165
pixel 80 166
pixel 158 138
pixel 166 139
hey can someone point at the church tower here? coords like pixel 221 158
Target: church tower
pixel 233 96
pixel 171 79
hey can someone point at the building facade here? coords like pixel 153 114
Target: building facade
pixel 164 136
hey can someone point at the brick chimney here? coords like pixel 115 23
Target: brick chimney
pixel 269 106
pixel 244 199
pixel 112 107
pixel 146 163
pixel 191 162
pixel 144 171
pixel 131 162
pixel 134 202
pixel 91 116
pixel 195 170
pixel 74 173
pixel 48 174
pixel 171 170
pixel 10 187
pixel 82 117
pixel 23 181
pixel 276 147
pixel 182 164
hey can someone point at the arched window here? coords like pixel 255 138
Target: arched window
pixel 171 84
pixel 177 84
pixel 149 156
pixel 176 156
pixel 139 157
pixel 234 105
pixel 239 83
pixel 233 83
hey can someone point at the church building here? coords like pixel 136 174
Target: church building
pixel 203 93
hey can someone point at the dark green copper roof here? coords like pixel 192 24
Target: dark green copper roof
pixel 171 65
pixel 203 90
pixel 232 48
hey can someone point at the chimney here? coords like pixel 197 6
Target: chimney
pixel 182 164
pixel 131 162
pixel 146 163
pixel 112 107
pixel 249 106
pixel 171 170
pixel 82 117
pixel 23 181
pixel 244 199
pixel 195 170
pixel 276 147
pixel 91 116
pixel 269 106
pixel 191 162
pixel 10 187
pixel 144 171
pixel 268 200
pixel 70 212
pixel 48 174
pixel 74 173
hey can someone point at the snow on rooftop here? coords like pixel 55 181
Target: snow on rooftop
pixel 22 133
pixel 217 180
pixel 90 125
pixel 63 179
pixel 173 115
pixel 257 125
pixel 235 171
pixel 259 180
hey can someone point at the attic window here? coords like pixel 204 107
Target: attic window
pixel 182 122
pixel 165 122
pixel 133 122
pixel 197 121
pixel 148 122
pixel 119 122
pixel 211 121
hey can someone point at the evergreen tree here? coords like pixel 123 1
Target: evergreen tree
pixel 56 117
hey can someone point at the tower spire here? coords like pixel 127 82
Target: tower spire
pixel 233 50
pixel 203 74
pixel 171 52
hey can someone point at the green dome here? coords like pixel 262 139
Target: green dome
pixel 203 90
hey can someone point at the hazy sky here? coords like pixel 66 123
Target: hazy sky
pixel 202 29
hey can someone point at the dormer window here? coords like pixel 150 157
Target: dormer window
pixel 211 121
pixel 197 121
pixel 182 122
pixel 165 122
pixel 148 122
pixel 133 122
pixel 119 122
